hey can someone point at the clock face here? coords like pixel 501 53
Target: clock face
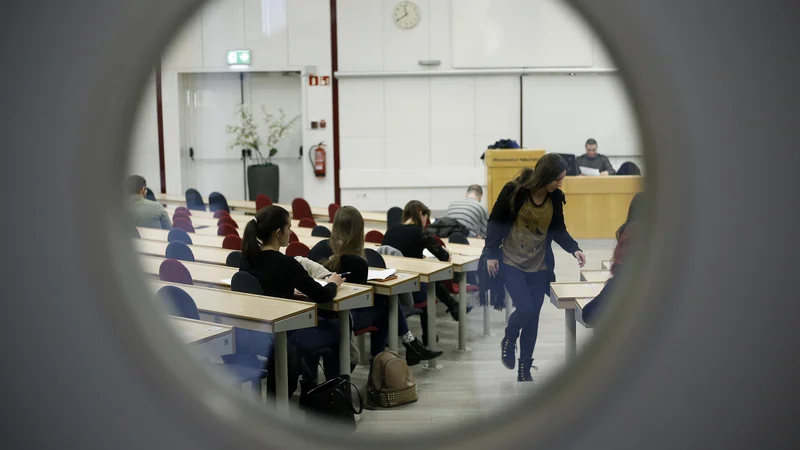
pixel 406 15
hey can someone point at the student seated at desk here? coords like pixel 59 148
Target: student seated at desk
pixel 146 213
pixel 469 212
pixel 625 235
pixel 344 253
pixel 279 276
pixel 411 239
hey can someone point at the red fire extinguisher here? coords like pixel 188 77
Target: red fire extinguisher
pixel 317 157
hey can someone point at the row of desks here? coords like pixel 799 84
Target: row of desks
pixel 154 242
pixel 376 219
pixel 206 225
pixel 572 297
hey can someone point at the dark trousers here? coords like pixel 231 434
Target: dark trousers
pixel 309 340
pixel 527 291
pixel 378 316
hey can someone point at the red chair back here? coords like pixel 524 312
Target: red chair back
pixel 173 271
pixel 374 237
pixel 226 230
pixel 262 200
pixel 183 224
pixel 332 208
pixel 221 213
pixel 301 209
pixel 183 209
pixel 293 237
pixel 183 215
pixel 307 223
pixel 232 242
pixel 297 249
pixel 228 220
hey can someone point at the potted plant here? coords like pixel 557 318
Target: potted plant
pixel 263 177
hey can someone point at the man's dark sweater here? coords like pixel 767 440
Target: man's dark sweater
pixel 599 162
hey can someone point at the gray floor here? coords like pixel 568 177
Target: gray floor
pixel 475 384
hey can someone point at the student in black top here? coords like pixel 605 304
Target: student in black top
pixel 344 253
pixel 411 238
pixel 279 275
pixel 527 217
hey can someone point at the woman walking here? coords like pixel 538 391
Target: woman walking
pixel 527 217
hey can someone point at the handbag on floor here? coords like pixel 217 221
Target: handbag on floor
pixel 391 382
pixel 332 400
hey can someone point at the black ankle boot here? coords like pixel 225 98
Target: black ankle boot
pixel 508 350
pixel 524 371
pixel 416 352
pixel 452 307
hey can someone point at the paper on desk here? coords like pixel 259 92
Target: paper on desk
pixel 226 281
pixel 588 171
pixel 427 254
pixel 322 282
pixel 377 275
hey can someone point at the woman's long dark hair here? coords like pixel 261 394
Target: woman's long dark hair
pixel 259 230
pixel 626 234
pixel 547 170
pixel 413 210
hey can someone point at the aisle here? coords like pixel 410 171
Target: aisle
pixel 476 384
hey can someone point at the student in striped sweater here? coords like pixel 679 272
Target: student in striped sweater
pixel 469 212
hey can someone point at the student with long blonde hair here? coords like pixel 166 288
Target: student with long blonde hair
pixel 344 253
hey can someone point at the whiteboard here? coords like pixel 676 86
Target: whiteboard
pixel 560 112
pixel 518 33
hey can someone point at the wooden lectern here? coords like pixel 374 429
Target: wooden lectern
pixel 502 165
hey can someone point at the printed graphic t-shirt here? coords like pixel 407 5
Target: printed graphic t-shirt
pixel 525 246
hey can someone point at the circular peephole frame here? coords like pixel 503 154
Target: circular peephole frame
pixel 668 375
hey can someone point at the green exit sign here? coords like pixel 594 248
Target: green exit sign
pixel 239 57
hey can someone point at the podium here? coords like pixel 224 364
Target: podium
pixel 502 165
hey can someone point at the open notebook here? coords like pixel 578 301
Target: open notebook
pixel 381 274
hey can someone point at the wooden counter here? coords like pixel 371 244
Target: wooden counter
pixel 597 206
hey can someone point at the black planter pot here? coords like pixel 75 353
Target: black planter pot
pixel 263 179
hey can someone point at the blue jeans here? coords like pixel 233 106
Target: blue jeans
pixel 527 291
pixel 378 316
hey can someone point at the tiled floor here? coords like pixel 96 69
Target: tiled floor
pixel 474 384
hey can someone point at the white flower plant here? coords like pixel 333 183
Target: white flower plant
pixel 245 134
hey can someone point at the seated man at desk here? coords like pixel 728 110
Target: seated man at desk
pixel 146 213
pixel 594 160
pixel 469 212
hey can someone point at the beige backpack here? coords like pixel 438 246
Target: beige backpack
pixel 391 382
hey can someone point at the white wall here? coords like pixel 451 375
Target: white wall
pixel 400 137
pixel 561 112
pixel 282 35
pixel 144 140
pixel 420 138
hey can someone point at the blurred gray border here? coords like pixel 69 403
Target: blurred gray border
pixel 707 360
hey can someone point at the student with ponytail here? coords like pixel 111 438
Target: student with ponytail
pixel 344 253
pixel 527 217
pixel 279 275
